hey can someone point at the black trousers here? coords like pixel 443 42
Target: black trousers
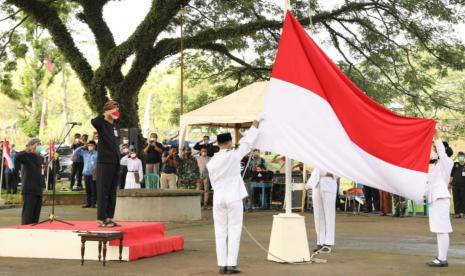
pixel 372 198
pixel 91 190
pixel 107 185
pixel 76 174
pixel 32 204
pixel 122 178
pixel 11 182
pixel 459 198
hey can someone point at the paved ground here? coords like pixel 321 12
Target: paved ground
pixel 366 245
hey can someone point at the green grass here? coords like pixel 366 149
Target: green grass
pixel 62 189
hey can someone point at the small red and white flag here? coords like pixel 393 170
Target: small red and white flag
pixel 7 161
pixel 315 114
pixel 49 65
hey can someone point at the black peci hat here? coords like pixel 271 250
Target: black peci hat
pixel 449 150
pixel 223 138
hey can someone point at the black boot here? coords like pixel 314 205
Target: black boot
pixel 233 270
pixel 223 270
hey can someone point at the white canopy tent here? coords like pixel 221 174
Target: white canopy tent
pixel 237 110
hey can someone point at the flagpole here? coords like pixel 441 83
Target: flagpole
pixel 288 162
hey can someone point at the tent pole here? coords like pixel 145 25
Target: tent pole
pixel 237 134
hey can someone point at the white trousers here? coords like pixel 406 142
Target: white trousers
pixel 227 218
pixel 324 213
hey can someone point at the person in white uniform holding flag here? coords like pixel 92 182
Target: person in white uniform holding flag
pixel 324 191
pixel 439 199
pixel 224 170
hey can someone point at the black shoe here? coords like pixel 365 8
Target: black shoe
pixel 232 270
pixel 86 206
pixel 327 249
pixel 437 263
pixel 318 247
pixel 223 270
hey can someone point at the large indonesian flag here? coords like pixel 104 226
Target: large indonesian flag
pixel 315 114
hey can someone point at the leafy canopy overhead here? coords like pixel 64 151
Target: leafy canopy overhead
pixel 395 50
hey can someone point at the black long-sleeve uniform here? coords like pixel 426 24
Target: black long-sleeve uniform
pixel 107 167
pixel 31 179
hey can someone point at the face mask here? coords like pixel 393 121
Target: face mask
pixel 133 156
pixel 115 115
pixel 91 148
pixel 40 149
pixel 125 150
pixel 125 141
pixel 461 158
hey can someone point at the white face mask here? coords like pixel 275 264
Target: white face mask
pixel 133 155
pixel 125 141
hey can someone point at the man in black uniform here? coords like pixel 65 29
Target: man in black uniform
pixel 31 179
pixel 107 163
pixel 458 185
pixel 205 143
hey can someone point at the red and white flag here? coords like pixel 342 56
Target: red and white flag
pixel 7 161
pixel 315 114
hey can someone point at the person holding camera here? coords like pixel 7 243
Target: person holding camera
pixel 153 152
pixel 169 168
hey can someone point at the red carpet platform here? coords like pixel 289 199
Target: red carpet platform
pixel 141 239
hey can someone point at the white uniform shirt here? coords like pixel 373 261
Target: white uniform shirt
pixel 318 178
pixel 134 165
pixel 224 170
pixel 439 175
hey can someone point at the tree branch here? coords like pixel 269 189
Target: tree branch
pixel 93 16
pixel 10 36
pixel 47 16
pixel 11 15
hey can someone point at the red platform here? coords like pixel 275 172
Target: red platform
pixel 143 239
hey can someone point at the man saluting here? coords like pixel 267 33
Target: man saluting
pixel 107 163
pixel 224 170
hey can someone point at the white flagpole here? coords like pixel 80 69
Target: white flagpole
pixel 288 240
pixel 288 162
pixel 288 194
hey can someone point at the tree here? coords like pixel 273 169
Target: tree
pixel 33 77
pixel 385 35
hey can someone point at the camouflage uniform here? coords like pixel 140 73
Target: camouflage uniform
pixel 188 172
pixel 399 205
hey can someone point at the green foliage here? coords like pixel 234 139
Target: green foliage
pixel 29 125
pixel 395 50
